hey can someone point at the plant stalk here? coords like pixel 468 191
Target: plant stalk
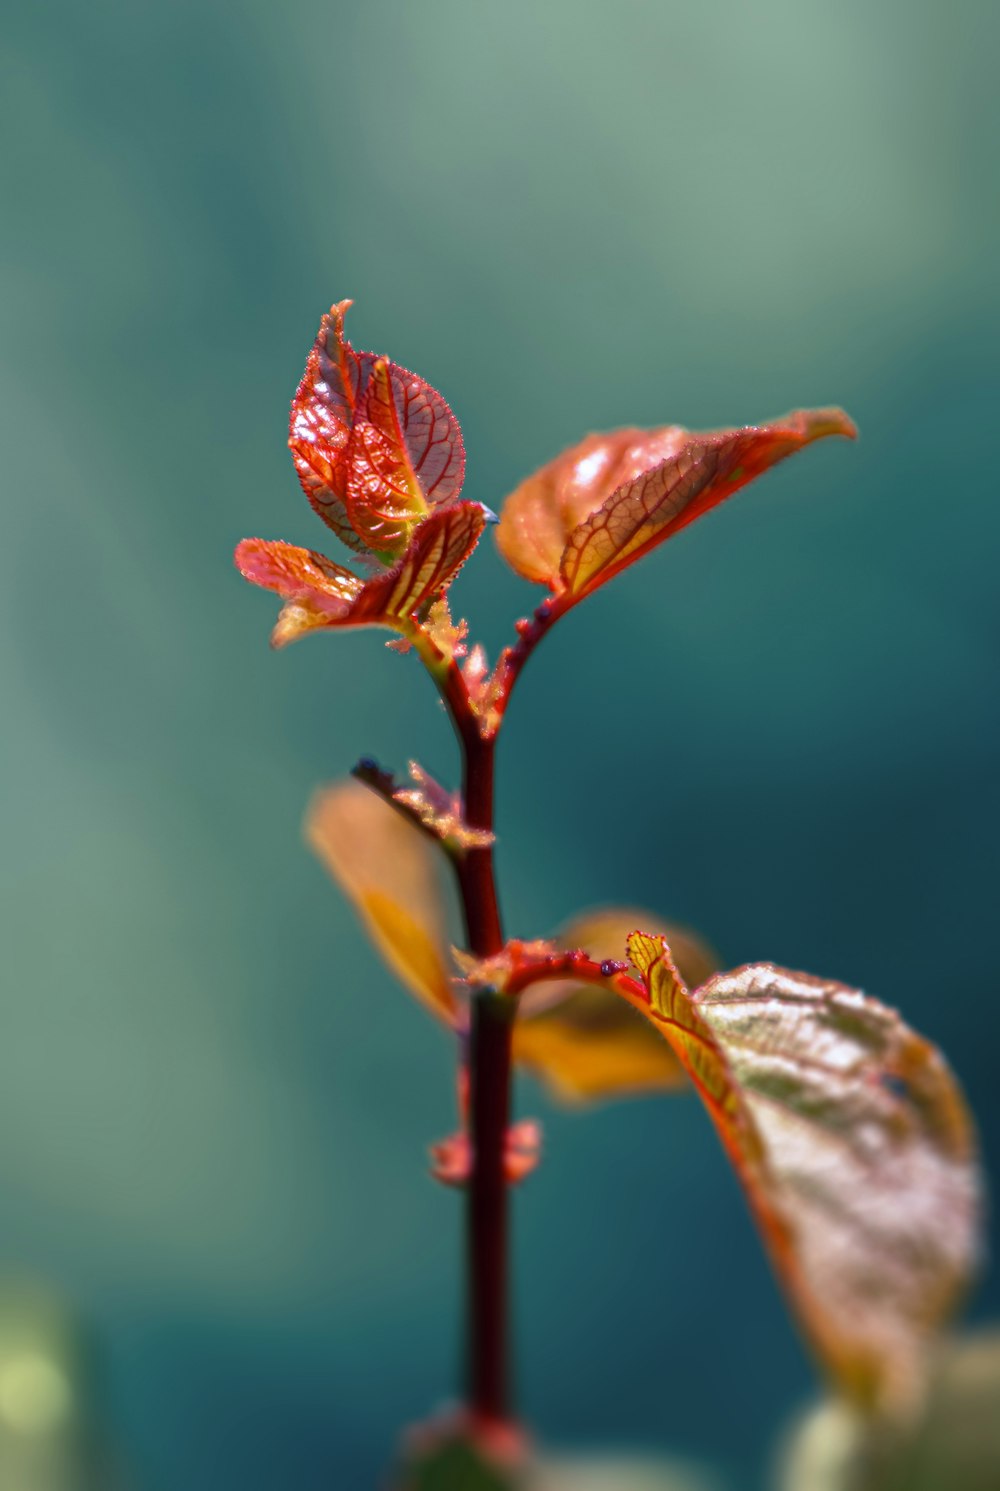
pixel 487 1347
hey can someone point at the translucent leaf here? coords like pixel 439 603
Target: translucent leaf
pixel 374 445
pixel 436 553
pixel 853 1143
pixel 321 594
pixel 538 517
pixel 583 1041
pixel 388 870
pixel 606 502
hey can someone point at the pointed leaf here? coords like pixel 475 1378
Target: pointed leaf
pixel 388 870
pixel 321 594
pixel 583 1041
pixel 321 421
pixel 671 477
pixel 851 1138
pixel 439 547
pixel 374 445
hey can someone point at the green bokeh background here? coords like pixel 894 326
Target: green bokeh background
pixel 783 729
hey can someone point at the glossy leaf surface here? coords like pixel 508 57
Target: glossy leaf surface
pixel 605 502
pixel 320 594
pixel 852 1141
pixel 388 870
pixel 583 1041
pixel 375 446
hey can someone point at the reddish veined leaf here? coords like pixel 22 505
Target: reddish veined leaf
pixel 568 528
pixel 538 517
pixel 389 872
pixel 374 445
pixel 583 1041
pixel 852 1141
pixel 437 551
pixel 322 595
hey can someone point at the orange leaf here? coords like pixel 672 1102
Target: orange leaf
pixel 374 445
pixel 322 595
pixel 852 1141
pixel 439 547
pixel 581 1040
pixel 605 502
pixel 389 871
pixel 538 517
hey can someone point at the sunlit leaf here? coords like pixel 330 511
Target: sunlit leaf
pixel 388 870
pixel 604 503
pixel 853 1143
pixel 374 445
pixel 436 553
pixel 538 517
pixel 583 1041
pixel 321 595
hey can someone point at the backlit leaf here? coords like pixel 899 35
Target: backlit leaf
pixel 606 502
pixel 437 551
pixel 851 1138
pixel 388 870
pixel 583 1041
pixel 538 517
pixel 374 445
pixel 320 594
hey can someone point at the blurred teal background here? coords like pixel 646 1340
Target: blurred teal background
pixel 783 728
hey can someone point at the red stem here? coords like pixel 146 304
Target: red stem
pixel 489 1058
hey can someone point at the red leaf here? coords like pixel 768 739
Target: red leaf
pixel 570 528
pixel 321 594
pixel 437 551
pixel 374 445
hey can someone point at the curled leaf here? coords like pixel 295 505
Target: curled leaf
pixel 852 1141
pixel 375 446
pixel 321 595
pixel 605 502
pixel 440 811
pixel 388 870
pixel 582 1040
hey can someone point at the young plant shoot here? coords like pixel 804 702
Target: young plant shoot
pixel 846 1129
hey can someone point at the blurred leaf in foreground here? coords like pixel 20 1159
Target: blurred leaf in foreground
pixel 955 1446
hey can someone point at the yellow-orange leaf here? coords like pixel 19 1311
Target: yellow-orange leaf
pixel 581 1040
pixel 388 870
pixel 851 1138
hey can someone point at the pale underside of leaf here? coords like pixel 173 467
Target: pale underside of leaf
pixel 854 1146
pixel 581 1040
pixel 388 870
